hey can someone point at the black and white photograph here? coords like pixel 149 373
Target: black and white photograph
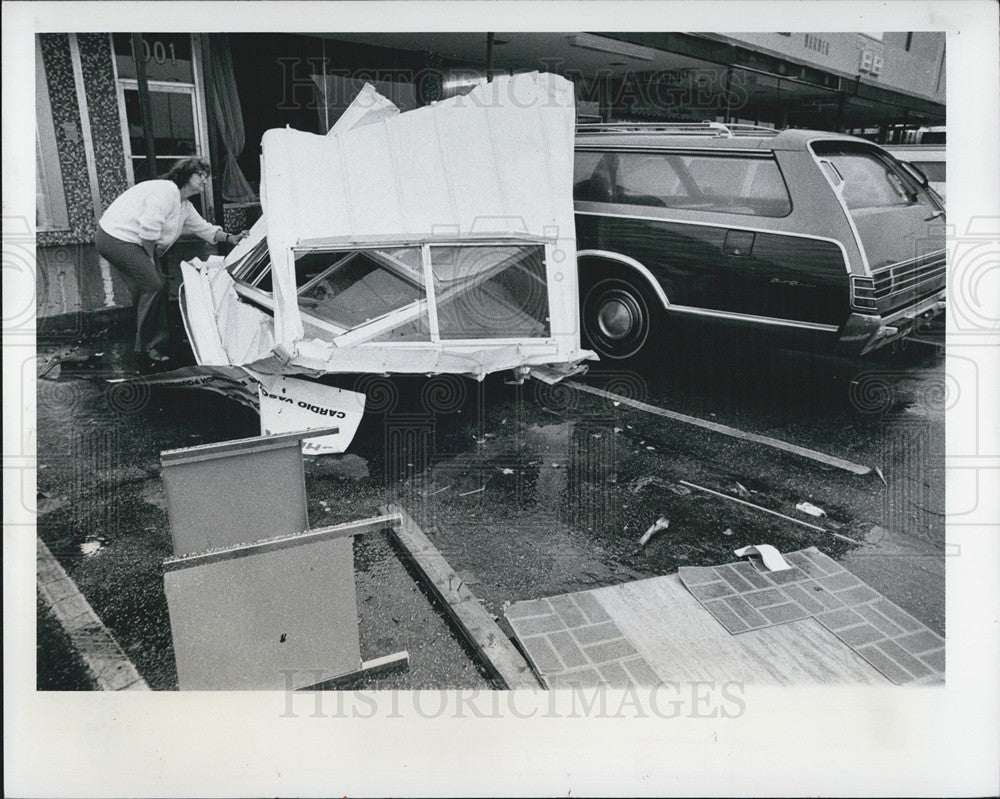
pixel 501 398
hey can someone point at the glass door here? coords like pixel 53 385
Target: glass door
pixel 175 133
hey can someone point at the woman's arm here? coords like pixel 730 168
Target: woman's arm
pixel 194 223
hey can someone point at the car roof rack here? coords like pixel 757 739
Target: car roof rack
pixel 716 129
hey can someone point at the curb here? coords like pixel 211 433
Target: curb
pixel 82 324
pixel 108 665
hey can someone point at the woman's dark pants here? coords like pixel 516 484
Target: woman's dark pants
pixel 149 288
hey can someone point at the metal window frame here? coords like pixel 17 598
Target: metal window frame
pixel 364 334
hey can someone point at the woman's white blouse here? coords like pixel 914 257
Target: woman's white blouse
pixel 154 211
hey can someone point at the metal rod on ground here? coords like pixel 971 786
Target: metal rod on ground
pixel 768 510
pixel 820 457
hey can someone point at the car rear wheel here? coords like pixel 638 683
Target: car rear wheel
pixel 618 318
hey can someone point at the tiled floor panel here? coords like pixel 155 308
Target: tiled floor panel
pixel 743 597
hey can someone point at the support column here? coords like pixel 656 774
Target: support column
pixel 145 106
pixel 214 151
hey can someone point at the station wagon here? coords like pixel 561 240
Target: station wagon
pixel 816 240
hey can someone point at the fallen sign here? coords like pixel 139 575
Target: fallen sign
pixel 235 491
pixel 440 240
pixel 285 404
pixel 277 614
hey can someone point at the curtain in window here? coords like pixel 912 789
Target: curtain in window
pixel 229 118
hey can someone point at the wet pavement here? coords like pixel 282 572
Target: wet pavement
pixel 528 490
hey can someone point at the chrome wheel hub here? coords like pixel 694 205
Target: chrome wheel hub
pixel 617 317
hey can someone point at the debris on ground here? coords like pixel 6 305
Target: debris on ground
pixel 812 510
pixel 773 561
pixel 473 491
pixel 341 467
pixel 88 548
pixel 742 490
pixel 878 471
pixel 728 531
pixel 657 526
pixel 649 480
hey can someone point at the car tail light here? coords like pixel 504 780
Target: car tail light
pixel 863 294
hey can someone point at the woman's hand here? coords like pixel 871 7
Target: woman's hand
pixel 236 238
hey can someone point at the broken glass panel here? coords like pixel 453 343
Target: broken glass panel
pixel 254 268
pixel 489 292
pixel 349 288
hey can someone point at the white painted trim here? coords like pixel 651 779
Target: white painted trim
pixel 654 284
pixel 54 191
pixel 201 122
pixel 175 87
pixel 85 132
pixel 122 116
pixel 198 111
pixel 107 283
pixel 432 308
pixel 838 193
pixel 759 320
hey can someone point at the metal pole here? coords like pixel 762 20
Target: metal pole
pixel 145 106
pixel 214 151
pixel 729 83
pixel 489 55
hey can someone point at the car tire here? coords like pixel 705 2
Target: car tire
pixel 619 318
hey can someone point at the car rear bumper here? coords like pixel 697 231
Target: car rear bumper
pixel 863 333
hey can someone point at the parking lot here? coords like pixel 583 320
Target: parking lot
pixel 528 490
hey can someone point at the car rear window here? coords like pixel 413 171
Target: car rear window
pixel 732 184
pixel 871 180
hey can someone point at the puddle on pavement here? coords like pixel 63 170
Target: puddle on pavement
pixel 545 505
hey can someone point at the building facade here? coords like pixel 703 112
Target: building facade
pixel 99 110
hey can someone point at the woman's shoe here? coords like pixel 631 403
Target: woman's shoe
pixel 155 356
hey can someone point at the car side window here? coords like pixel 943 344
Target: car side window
pixel 734 184
pixel 730 184
pixel 593 176
pixel 648 179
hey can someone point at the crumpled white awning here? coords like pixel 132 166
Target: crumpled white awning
pixel 498 160
pixel 492 168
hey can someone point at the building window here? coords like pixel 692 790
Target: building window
pixel 50 197
pixel 179 127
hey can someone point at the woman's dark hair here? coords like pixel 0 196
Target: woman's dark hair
pixel 182 171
